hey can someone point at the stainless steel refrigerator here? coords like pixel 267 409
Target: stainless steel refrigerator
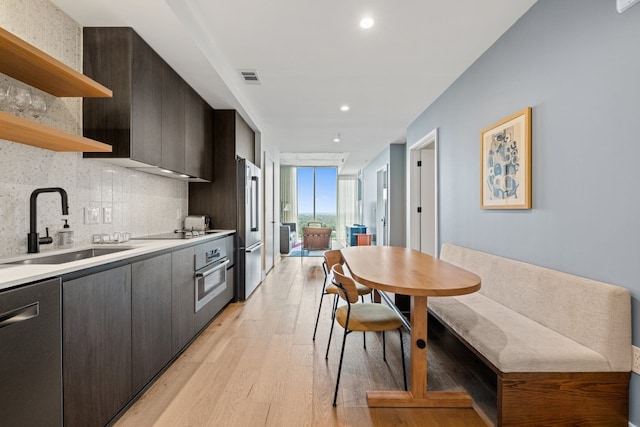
pixel 249 229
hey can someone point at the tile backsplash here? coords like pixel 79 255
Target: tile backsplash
pixel 139 203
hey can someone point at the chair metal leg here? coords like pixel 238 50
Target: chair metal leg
pixel 333 321
pixel 344 339
pixel 325 269
pixel 324 286
pixel 318 316
pixel 364 334
pixel 404 368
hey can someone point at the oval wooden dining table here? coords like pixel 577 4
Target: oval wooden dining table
pixel 410 272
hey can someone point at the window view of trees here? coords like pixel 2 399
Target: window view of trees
pixel 317 201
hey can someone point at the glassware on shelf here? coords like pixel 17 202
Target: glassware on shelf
pixel 19 99
pixel 38 105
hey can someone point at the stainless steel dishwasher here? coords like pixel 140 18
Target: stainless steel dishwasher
pixel 30 355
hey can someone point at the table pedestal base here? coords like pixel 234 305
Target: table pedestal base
pixel 431 399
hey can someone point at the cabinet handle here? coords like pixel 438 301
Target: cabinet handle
pixel 20 314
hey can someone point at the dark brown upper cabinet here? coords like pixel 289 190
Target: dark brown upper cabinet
pixel 131 121
pixel 173 96
pixel 218 199
pixel 149 121
pixel 198 128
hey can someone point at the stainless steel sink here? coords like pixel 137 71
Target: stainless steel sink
pixel 70 256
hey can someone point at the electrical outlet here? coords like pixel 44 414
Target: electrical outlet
pixel 107 215
pixel 635 358
pixel 91 215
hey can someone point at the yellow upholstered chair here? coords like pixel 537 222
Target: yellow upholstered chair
pixel 332 258
pixel 363 317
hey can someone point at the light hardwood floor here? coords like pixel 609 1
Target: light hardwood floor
pixel 256 365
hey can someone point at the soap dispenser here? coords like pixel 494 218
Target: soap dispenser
pixel 65 236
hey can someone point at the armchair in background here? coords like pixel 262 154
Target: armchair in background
pixel 316 238
pixel 288 236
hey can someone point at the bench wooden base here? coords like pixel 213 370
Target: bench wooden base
pixel 405 399
pixel 556 398
pixel 542 398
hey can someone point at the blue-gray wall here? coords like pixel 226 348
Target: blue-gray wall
pixel 577 64
pixel 394 157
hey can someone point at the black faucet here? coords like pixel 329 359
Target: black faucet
pixel 33 239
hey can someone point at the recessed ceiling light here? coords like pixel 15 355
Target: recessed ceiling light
pixel 344 108
pixel 337 138
pixel 366 22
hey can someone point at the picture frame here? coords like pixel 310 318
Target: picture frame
pixel 505 163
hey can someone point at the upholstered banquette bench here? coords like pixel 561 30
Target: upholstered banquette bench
pixel 560 345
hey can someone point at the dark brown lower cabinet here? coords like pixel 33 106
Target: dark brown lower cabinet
pixel 30 357
pixel 121 327
pixel 150 318
pixel 96 331
pixel 182 298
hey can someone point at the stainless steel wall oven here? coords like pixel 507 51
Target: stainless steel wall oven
pixel 210 278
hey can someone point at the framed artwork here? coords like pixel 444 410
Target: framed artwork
pixel 505 164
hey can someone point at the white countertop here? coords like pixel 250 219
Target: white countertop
pixel 14 275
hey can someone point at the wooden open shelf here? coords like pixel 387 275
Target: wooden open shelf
pixel 30 65
pixel 17 129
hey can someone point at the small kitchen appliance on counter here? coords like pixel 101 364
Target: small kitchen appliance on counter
pixel 196 223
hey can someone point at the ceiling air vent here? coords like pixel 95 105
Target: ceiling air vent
pixel 250 77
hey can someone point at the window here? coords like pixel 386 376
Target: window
pixel 317 196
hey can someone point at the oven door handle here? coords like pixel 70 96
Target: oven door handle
pixel 212 270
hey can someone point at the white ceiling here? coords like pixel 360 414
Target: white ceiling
pixel 312 57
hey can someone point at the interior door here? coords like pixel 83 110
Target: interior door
pixel 269 216
pixel 382 208
pixel 423 230
pixel 428 220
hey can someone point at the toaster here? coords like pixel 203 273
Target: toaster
pixel 196 222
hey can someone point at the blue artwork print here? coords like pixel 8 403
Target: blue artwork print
pixel 503 164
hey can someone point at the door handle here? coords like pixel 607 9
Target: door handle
pixel 253 248
pixel 255 213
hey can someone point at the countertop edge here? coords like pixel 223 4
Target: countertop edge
pixel 12 276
